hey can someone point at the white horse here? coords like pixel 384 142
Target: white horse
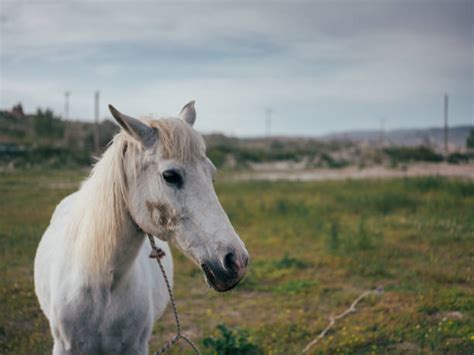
pixel 94 279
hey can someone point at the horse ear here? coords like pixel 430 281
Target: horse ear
pixel 188 113
pixel 136 128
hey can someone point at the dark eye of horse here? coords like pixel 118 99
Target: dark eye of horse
pixel 172 177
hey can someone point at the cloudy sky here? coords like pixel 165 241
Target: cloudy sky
pixel 320 66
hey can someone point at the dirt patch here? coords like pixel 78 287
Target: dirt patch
pixel 407 347
pixel 453 315
pixel 162 215
pixel 463 171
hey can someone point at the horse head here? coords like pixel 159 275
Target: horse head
pixel 170 194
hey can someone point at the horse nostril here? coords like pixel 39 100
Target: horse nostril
pixel 229 262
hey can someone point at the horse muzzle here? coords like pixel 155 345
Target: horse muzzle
pixel 224 276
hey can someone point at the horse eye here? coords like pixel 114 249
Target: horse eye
pixel 173 177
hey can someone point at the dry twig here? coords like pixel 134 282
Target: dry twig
pixel 352 308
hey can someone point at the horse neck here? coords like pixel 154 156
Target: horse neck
pixel 107 241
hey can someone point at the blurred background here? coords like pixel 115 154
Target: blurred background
pixel 344 135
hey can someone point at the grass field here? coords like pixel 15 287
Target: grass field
pixel 314 248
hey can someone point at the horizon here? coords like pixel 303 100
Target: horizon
pixel 322 68
pixel 263 135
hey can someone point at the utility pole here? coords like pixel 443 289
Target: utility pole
pixel 96 125
pixel 382 131
pixel 446 124
pixel 66 104
pixel 268 121
pixel 66 116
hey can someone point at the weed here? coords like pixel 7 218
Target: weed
pixel 333 241
pixel 228 341
pixel 287 262
pixel 364 238
pixel 294 287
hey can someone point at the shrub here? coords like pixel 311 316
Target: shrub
pixel 331 162
pixel 47 125
pixel 470 139
pixel 230 342
pixel 46 156
pixel 458 158
pixel 406 154
pixel 217 156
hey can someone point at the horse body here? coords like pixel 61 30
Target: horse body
pixel 94 279
pixel 114 315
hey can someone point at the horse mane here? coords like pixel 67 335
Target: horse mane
pixel 101 215
pixel 177 139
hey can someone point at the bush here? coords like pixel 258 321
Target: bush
pixel 47 125
pixel 331 162
pixel 458 158
pixel 406 154
pixel 230 342
pixel 46 156
pixel 217 156
pixel 470 139
pixel 275 151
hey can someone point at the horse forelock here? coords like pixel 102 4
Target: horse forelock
pixel 177 140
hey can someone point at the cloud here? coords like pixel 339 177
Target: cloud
pixel 305 60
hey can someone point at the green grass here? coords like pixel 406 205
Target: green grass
pixel 314 248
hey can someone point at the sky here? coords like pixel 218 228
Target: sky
pixel 320 66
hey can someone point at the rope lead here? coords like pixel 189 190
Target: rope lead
pixel 158 254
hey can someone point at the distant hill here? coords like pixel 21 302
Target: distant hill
pixel 408 137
